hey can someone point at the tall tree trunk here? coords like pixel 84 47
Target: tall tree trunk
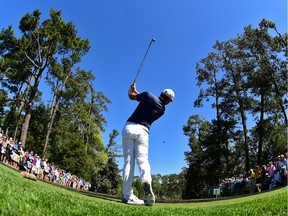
pixel 243 118
pixel 27 117
pixel 25 125
pixel 218 117
pixel 246 146
pixel 56 101
pixel 49 128
pixel 279 99
pixel 261 130
pixel 22 103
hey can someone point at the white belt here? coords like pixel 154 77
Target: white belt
pixel 133 123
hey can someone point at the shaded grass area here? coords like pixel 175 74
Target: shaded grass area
pixel 21 196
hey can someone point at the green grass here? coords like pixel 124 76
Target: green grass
pixel 21 196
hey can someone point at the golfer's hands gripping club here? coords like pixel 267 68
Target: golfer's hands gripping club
pixel 132 92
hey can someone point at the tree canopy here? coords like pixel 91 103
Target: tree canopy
pixel 67 128
pixel 246 79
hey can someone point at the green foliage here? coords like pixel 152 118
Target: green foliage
pixel 69 152
pixel 107 179
pixel 172 186
pixel 67 130
pixel 3 99
pixel 137 187
pixel 198 161
pixel 245 77
pixel 275 139
pixel 157 185
pixel 9 121
pixel 37 128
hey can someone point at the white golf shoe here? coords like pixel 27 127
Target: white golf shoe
pixel 149 198
pixel 133 200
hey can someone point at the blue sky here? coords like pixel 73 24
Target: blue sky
pixel 119 33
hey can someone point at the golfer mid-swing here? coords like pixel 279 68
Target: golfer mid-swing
pixel 135 137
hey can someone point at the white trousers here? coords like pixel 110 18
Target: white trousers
pixel 135 138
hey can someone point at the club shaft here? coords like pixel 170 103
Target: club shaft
pixel 143 60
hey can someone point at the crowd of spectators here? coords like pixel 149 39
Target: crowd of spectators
pixel 13 155
pixel 261 178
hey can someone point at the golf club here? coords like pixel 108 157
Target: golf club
pixel 152 40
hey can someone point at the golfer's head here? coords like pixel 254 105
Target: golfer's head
pixel 167 95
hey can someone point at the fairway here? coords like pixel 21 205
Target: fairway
pixel 21 196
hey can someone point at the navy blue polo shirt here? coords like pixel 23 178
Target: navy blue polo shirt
pixel 149 109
